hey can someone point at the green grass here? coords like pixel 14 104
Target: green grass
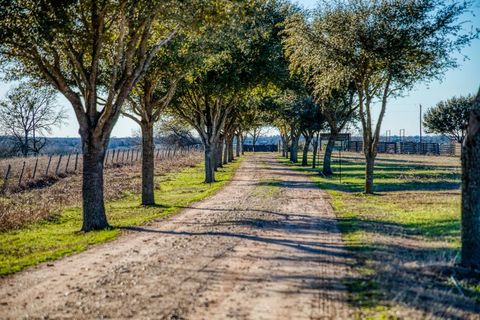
pixel 417 198
pixel 421 199
pixel 49 240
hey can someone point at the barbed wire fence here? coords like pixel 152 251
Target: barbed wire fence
pixel 21 173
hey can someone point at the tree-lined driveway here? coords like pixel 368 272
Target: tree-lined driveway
pixel 266 246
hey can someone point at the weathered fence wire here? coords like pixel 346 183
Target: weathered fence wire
pixel 33 169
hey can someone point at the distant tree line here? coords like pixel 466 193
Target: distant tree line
pixel 57 145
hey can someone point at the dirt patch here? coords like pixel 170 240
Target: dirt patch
pixel 243 253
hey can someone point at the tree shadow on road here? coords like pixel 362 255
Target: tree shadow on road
pixel 411 263
pixel 398 272
pixel 404 264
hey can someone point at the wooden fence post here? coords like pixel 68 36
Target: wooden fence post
pixel 68 161
pixel 21 173
pixel 48 165
pixel 58 164
pixel 35 169
pixel 76 162
pixel 5 180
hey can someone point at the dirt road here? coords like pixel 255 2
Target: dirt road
pixel 264 247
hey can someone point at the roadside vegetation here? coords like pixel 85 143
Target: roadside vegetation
pixel 57 235
pixel 49 195
pixel 405 238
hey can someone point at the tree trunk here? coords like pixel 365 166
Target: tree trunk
pixel 225 150
pixel 230 149
pixel 284 146
pixel 327 158
pixel 315 150
pixel 148 164
pixel 471 193
pixel 94 217
pixel 210 159
pixel 239 147
pixel 25 145
pixel 241 144
pixel 305 151
pixel 370 139
pixel 219 154
pixel 294 149
pixel 369 167
pixel 287 149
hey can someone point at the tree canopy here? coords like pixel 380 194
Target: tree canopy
pixel 450 117
pixel 27 114
pixel 380 48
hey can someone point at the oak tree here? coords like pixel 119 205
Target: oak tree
pixel 145 105
pixel 382 47
pixel 93 52
pixel 229 57
pixel 450 117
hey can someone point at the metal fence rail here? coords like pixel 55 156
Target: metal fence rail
pixel 409 147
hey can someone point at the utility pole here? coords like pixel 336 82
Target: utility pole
pixel 420 123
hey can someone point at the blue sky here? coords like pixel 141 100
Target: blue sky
pixel 402 113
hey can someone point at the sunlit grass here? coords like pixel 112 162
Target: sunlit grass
pixel 422 198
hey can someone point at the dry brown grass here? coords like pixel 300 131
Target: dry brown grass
pixel 48 195
pixel 31 172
